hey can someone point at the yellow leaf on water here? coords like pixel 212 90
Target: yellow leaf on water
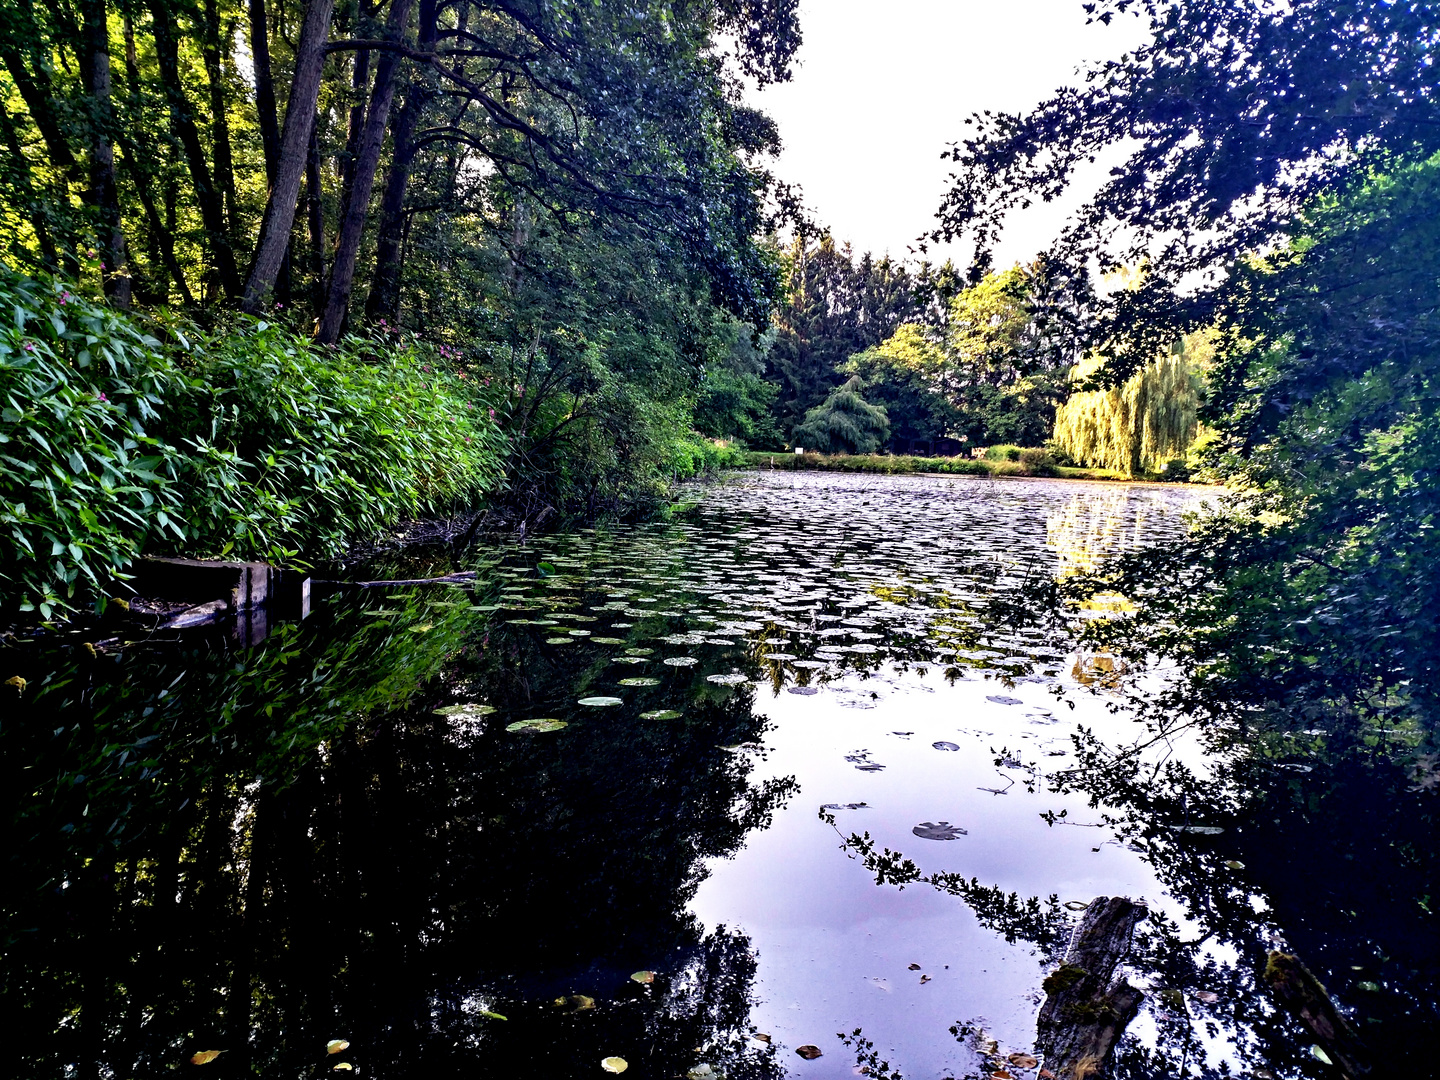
pixel 343 1065
pixel 334 1046
pixel 204 1057
pixel 643 977
pixel 614 1064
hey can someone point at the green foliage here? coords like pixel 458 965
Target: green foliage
pixel 1141 424
pixel 294 452
pixel 84 481
pixel 844 423
pixel 989 373
pixel 245 440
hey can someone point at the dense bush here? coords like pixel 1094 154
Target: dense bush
pixel 244 440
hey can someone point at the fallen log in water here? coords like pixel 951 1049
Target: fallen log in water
pixel 1085 1013
pixel 1305 998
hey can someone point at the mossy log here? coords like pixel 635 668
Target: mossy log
pixel 1305 998
pixel 1086 1009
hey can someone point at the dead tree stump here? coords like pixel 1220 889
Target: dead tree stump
pixel 1086 1010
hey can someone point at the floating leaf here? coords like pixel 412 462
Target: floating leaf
pixel 943 745
pixel 601 700
pixel 536 727
pixel 1320 1055
pixel 804 691
pixel 681 661
pixel 334 1046
pixel 574 1003
pixel 660 714
pixel 733 679
pixel 608 640
pixel 492 1015
pixel 1235 864
pixel 560 641
pixel 204 1057
pixel 809 1051
pixel 1002 1074
pixel 578 633
pixel 1022 1061
pixel 1001 699
pixel 640 681
pixel 779 656
pixel 628 659
pixel 645 978
pixel 639 652
pixel 614 1064
pixel 760 1037
pixel 1076 905
pixel 938 830
pixel 914 967
pixel 469 708
pixel 1209 997
pixel 344 1065
pixel 546 569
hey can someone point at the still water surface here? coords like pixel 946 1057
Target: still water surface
pixel 810 778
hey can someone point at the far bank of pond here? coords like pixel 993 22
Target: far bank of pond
pixel 905 464
pixel 812 765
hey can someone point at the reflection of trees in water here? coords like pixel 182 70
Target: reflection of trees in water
pixel 1334 860
pixel 313 864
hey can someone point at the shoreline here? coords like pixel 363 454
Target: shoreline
pixel 905 465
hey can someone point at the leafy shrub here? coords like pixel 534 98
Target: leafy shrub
pixel 294 452
pixel 246 441
pixel 84 482
pixel 1003 452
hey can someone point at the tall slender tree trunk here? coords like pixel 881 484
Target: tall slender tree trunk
pixel 264 88
pixel 384 298
pixel 352 221
pixel 164 238
pixel 182 117
pixel 34 204
pixel 104 195
pixel 359 82
pixel 294 150
pixel 214 49
pixel 315 215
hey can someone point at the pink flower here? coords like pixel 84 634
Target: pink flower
pixel 102 397
pixel 492 414
pixel 29 346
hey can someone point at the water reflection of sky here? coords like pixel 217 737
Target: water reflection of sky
pixel 891 594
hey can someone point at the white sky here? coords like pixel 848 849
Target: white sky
pixel 880 89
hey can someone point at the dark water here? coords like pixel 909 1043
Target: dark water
pixel 828 773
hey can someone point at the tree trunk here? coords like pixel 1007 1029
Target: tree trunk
pixel 24 182
pixel 182 117
pixel 359 80
pixel 315 214
pixel 264 88
pixel 1084 1013
pixel 294 149
pixel 384 298
pixel 214 49
pixel 352 222
pixel 1307 999
pixel 104 196
pixel 164 238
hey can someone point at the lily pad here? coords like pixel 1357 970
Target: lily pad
pixel 811 664
pixel 535 727
pixel 804 691
pixel 780 657
pixel 680 661
pixel 938 830
pixel 640 681
pixel 601 700
pixel 627 659
pixel 639 652
pixel 468 708
pixel 660 714
pixel 733 679
pixel 1001 699
pixel 578 633
pixel 560 641
pixel 943 745
pixel 608 640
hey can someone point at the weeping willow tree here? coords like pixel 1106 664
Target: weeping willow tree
pixel 1145 421
pixel 845 423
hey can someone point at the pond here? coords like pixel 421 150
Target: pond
pixel 814 764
